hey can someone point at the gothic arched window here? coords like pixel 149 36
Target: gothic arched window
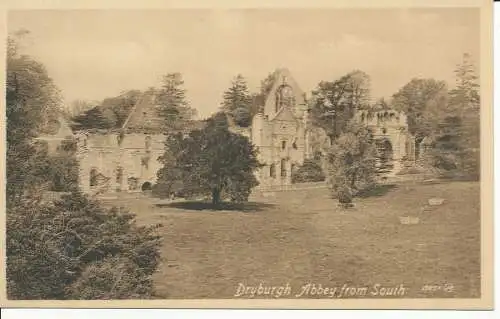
pixel 284 97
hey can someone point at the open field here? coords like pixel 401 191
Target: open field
pixel 301 237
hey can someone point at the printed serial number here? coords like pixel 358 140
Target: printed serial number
pixel 435 288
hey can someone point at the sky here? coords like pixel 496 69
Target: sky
pixel 94 54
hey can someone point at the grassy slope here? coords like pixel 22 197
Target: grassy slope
pixel 301 237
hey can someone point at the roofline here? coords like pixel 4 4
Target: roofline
pixel 134 108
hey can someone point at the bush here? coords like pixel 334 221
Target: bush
pixel 352 162
pixel 75 249
pixel 344 197
pixel 310 171
pixel 63 173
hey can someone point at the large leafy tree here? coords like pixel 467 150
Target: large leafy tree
pixel 33 102
pixel 237 102
pixel 423 101
pixel 334 103
pixel 209 162
pixel 173 106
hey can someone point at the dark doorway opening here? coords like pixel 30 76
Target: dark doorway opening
pixel 147 186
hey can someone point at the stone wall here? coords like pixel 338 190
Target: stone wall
pixel 125 161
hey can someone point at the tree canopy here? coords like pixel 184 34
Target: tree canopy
pixel 237 102
pixel 334 103
pixel 422 100
pixel 173 107
pixel 209 162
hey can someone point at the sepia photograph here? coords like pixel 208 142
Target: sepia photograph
pixel 247 154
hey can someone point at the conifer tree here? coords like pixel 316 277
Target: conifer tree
pixel 173 106
pixel 237 102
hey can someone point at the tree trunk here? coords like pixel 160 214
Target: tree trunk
pixel 215 197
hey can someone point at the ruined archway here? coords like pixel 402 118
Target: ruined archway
pixel 385 155
pixel 147 186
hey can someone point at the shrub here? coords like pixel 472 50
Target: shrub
pixel 75 249
pixel 344 197
pixel 352 162
pixel 63 173
pixel 309 171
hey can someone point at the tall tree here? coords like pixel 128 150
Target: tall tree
pixel 465 95
pixel 423 101
pixel 71 248
pixel 334 103
pixel 464 103
pixel 210 162
pixel 33 102
pixel 173 105
pixel 237 102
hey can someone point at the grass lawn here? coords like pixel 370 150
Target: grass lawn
pixel 301 237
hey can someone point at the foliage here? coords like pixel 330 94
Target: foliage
pixel 333 104
pixel 465 100
pixel 446 149
pixel 78 107
pixel 309 171
pixel 110 113
pixel 64 168
pixel 259 98
pixel 209 162
pixel 171 100
pixel 75 249
pixel 121 105
pixel 423 101
pixel 33 102
pixel 352 162
pixel 242 117
pixel 448 119
pixel 95 118
pixel 60 250
pixel 237 102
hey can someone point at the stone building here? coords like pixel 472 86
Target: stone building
pixel 126 159
pixel 279 131
pixel 390 130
